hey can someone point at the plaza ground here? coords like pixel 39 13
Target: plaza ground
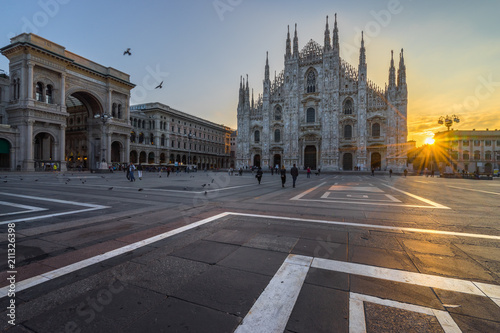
pixel 209 252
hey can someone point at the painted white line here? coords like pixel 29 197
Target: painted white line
pixel 489 290
pixel 443 317
pixel 419 279
pixel 53 200
pixel 272 309
pixel 27 209
pixel 27 219
pixel 470 189
pixel 371 189
pixel 372 226
pixel 432 203
pixel 297 197
pixel 363 199
pixel 357 321
pixel 36 280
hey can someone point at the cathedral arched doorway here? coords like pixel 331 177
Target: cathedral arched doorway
pixel 277 161
pixel 151 158
pixel 376 161
pixel 115 152
pixel 347 161
pixel 84 139
pixel 4 154
pixel 310 157
pixel 256 160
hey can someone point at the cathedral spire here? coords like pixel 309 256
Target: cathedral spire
pixel 266 70
pixel 252 98
pixel 288 54
pixel 392 72
pixel 335 35
pixel 401 71
pixel 362 51
pixel 327 46
pixel 295 43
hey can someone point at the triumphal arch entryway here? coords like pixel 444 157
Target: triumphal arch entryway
pixel 63 109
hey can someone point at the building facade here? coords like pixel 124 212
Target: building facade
pixel 57 108
pixel 161 135
pixel 468 151
pixel 321 112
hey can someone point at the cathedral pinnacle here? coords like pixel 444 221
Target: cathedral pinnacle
pixel 266 70
pixel 288 45
pixel 295 44
pixel 401 71
pixel 335 34
pixel 392 72
pixel 327 46
pixel 362 51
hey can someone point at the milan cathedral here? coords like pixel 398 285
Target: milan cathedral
pixel 321 112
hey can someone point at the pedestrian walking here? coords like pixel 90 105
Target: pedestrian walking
pixel 259 174
pixel 168 171
pixel 373 171
pixel 390 173
pixel 295 173
pixel 127 168
pixel 405 172
pixel 272 170
pixel 283 176
pixel 131 170
pixel 139 171
pixel 308 172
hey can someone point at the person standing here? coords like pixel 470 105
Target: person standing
pixel 390 173
pixel 295 173
pixel 139 171
pixel 283 176
pixel 406 172
pixel 308 172
pixel 131 170
pixel 259 174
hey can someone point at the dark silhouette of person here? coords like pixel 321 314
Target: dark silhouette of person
pixel 259 174
pixel 295 173
pixel 283 176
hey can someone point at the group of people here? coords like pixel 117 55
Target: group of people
pixel 294 172
pixel 131 168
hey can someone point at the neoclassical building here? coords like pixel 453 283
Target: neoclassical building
pixel 321 112
pixel 161 135
pixel 60 108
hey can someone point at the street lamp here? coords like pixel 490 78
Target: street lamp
pixel 104 117
pixel 448 120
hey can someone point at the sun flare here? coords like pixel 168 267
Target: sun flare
pixel 429 141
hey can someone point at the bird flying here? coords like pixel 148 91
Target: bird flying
pixel 159 86
pixel 127 51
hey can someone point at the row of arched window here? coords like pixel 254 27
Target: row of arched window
pixel 347 133
pixel 43 93
pixel 348 109
pixel 116 111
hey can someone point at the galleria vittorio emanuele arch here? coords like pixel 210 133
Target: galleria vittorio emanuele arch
pixel 57 107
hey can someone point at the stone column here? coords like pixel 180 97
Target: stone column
pixel 30 80
pixel 110 102
pixel 28 158
pixel 127 151
pixel 63 91
pixel 62 147
pixel 108 146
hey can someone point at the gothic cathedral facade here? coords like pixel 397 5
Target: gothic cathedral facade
pixel 320 112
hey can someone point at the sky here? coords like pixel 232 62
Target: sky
pixel 200 48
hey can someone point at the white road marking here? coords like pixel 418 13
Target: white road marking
pixel 356 188
pixel 470 189
pixel 36 280
pixel 326 195
pixel 432 203
pixel 91 207
pixel 373 226
pixel 419 279
pixel 272 309
pixel 357 312
pixel 27 209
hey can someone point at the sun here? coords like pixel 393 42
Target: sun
pixel 429 141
